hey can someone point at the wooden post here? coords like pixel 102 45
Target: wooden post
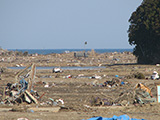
pixel 31 77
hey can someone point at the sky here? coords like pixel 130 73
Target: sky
pixel 65 24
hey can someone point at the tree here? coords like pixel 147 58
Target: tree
pixel 144 32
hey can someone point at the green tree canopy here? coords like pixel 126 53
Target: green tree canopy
pixel 144 32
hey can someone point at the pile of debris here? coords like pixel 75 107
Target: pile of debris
pixel 140 95
pixel 21 91
pixel 143 94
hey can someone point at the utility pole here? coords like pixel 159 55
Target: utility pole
pixel 85 43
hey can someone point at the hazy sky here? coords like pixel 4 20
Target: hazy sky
pixel 57 24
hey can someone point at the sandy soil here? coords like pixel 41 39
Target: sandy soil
pixel 77 93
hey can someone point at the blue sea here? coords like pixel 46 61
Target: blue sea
pixel 50 51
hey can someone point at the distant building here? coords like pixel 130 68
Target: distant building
pixel 80 54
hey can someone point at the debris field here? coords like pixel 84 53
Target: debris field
pixel 38 94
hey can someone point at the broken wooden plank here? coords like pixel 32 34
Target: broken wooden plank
pixel 30 96
pixel 20 72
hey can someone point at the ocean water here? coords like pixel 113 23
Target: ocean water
pixel 49 51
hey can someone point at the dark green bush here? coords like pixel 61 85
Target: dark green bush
pixel 139 76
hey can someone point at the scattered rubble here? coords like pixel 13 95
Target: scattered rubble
pixel 107 88
pixel 22 90
pixel 140 95
pixel 109 83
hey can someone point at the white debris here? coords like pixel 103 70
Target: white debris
pixel 155 75
pixel 56 70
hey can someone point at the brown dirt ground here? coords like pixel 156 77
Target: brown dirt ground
pixel 77 93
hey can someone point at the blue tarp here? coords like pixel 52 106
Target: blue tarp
pixel 121 117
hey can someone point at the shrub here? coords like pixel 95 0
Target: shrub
pixel 139 76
